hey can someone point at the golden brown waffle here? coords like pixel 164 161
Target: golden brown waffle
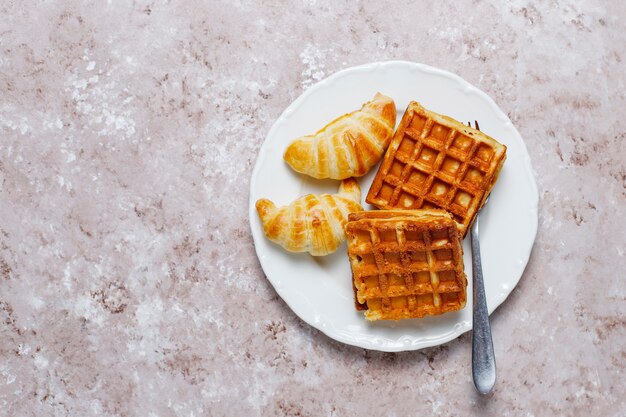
pixel 406 263
pixel 434 161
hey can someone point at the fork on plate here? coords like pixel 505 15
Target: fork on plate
pixel 483 357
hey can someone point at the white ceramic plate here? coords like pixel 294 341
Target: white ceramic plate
pixel 319 290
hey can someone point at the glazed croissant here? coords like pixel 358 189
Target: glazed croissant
pixel 313 223
pixel 348 146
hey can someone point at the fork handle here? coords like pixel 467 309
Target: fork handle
pixel 483 358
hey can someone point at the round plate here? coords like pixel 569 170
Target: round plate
pixel 319 290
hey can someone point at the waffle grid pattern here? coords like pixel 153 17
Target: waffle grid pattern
pixel 406 271
pixel 433 165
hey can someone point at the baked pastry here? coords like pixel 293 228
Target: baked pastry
pixel 348 146
pixel 406 263
pixel 313 223
pixel 435 161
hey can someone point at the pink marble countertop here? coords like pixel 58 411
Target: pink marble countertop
pixel 129 284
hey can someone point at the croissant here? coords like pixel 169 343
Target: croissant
pixel 313 223
pixel 348 146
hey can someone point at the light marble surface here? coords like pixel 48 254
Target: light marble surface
pixel 129 283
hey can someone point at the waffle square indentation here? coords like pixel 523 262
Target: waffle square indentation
pixel 450 166
pixel 439 133
pixel 427 157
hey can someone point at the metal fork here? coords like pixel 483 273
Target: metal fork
pixel 483 357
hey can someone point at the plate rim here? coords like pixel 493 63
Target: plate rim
pixel 457 330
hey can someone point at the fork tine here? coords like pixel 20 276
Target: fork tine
pixel 475 124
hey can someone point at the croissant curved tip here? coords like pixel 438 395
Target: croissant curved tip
pixel 349 188
pixel 290 155
pixel 385 107
pixel 298 156
pixel 381 97
pixel 264 207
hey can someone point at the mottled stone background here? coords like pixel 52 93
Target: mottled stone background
pixel 129 283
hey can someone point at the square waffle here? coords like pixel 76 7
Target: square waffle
pixel 405 263
pixel 435 161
